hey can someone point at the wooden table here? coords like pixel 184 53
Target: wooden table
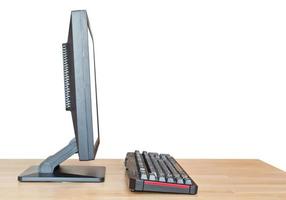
pixel 217 179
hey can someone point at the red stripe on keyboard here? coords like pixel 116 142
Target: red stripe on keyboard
pixel 166 184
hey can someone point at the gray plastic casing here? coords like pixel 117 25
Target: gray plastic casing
pixel 81 103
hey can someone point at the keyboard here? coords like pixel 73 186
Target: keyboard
pixel 153 172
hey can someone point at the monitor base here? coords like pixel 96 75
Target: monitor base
pixel 65 173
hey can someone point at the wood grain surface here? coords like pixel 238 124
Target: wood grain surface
pixel 217 179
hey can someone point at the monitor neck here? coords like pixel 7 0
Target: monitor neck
pixel 49 164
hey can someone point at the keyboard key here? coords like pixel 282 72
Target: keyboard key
pixel 167 172
pixel 161 174
pixel 150 166
pixel 142 169
pixel 180 170
pixel 174 172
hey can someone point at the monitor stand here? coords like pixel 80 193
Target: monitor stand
pixel 51 171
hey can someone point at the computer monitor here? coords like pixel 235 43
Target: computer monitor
pixel 79 71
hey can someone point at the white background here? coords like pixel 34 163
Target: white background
pixel 197 79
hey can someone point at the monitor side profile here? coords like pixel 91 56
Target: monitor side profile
pixel 78 99
pixel 78 84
